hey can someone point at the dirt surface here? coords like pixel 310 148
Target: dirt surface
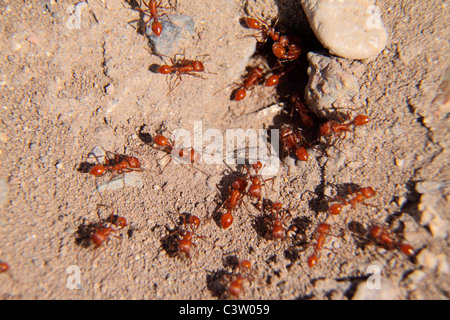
pixel 65 91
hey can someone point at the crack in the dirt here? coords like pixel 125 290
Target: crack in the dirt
pixel 104 64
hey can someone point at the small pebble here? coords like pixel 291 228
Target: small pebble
pixel 387 291
pixel 114 184
pixel 3 191
pixel 413 279
pixel 133 179
pixel 175 30
pixel 98 154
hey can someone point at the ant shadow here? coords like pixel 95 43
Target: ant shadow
pixel 154 67
pixel 85 167
pixel 215 283
pixel 359 233
pixel 140 26
pixel 299 243
pixel 145 137
pixel 215 279
pixel 84 233
pixel 169 243
pixel 224 187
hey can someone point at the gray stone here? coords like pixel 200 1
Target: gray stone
pixel 175 30
pixel 332 85
pixel 351 29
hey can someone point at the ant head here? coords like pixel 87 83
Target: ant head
pixel 325 128
pixel 368 192
pixel 360 120
pixel 277 206
pixel 245 265
pixel 252 23
pixel 302 154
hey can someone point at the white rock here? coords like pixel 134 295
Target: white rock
pixel 413 279
pixel 351 29
pixel 386 291
pixel 427 259
pixel 432 207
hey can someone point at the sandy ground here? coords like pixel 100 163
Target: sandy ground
pixel 65 91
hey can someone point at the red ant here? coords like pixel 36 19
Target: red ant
pixel 4 267
pixel 231 203
pixel 254 191
pixel 302 110
pixel 273 80
pixel 277 217
pixel 235 289
pixel 294 141
pixel 185 243
pixel 98 233
pixel 152 11
pixel 320 234
pixel 168 146
pixel 102 234
pixel 361 195
pixel 332 127
pixel 383 238
pixel 285 49
pixel 253 77
pixel 180 67
pixel 128 164
pixel 259 25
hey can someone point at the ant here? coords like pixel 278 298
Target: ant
pixel 168 146
pixel 254 191
pixel 259 25
pixel 4 267
pixel 320 234
pixel 233 201
pixel 335 128
pixel 383 238
pixel 120 164
pixel 361 194
pixel 185 243
pixel 294 141
pixel 285 49
pixel 302 110
pixel 277 217
pixel 152 11
pixel 245 273
pixel 98 233
pixel 180 67
pixel 253 77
